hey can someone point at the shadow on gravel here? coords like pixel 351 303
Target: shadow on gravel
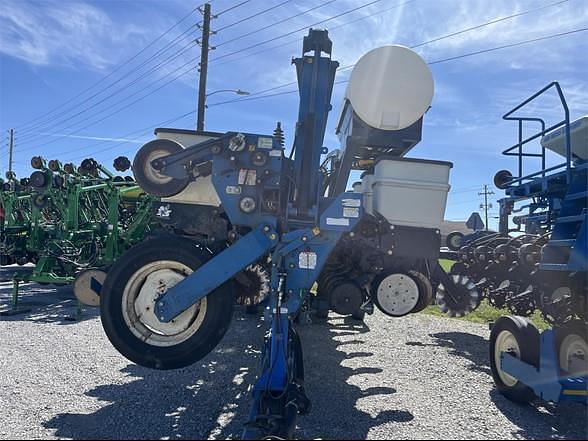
pixel 562 421
pixel 460 344
pixel 211 399
pixel 336 414
pixel 208 399
pixel 45 304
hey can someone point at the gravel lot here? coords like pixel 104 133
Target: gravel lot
pixel 419 377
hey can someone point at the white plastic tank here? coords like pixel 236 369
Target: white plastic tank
pixel 410 192
pixel 390 88
pixel 556 140
pixel 367 182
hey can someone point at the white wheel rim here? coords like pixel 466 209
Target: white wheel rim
pixel 152 174
pixel 573 355
pixel 506 342
pixel 397 294
pixel 140 294
pixel 82 286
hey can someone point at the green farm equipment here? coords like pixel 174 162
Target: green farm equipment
pixel 72 223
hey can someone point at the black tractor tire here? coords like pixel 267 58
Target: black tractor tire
pixel 453 240
pixel 150 179
pixel 219 306
pixel 528 340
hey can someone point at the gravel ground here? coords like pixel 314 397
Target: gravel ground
pixel 418 377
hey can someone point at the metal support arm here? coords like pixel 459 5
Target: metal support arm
pixel 215 272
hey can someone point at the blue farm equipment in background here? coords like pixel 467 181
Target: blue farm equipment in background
pixel 538 260
pixel 249 224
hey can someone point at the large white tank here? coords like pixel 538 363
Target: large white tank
pixel 390 88
pixel 409 192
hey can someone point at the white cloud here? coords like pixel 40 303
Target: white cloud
pixel 65 33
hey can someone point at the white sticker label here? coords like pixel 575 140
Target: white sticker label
pixel 265 143
pixel 233 189
pixel 163 211
pixel 247 177
pixel 337 221
pixel 350 212
pixel 276 152
pixel 351 202
pixel 307 260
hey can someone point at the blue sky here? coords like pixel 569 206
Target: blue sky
pixel 50 51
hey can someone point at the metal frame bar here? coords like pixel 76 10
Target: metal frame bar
pixel 519 146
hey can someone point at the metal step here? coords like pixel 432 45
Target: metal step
pixel 554 266
pixel 574 196
pixel 569 219
pixel 561 243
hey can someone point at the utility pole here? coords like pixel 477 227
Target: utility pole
pixel 485 205
pixel 10 149
pixel 203 66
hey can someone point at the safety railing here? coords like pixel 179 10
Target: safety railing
pixel 517 149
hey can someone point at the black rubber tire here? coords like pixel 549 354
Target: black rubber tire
pixel 218 316
pixel 502 178
pixel 528 339
pixel 358 315
pixel 426 290
pixel 141 163
pixel 449 239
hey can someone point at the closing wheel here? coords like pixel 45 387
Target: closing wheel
pixel 460 301
pixel 571 341
pixel 128 297
pixel 520 338
pixel 425 291
pixel 396 294
pixel 150 179
pixel 454 240
pixel 88 285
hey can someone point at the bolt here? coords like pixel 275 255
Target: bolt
pixel 266 228
pixel 304 238
pixel 390 252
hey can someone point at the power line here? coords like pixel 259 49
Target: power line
pixel 498 20
pixel 435 40
pixel 190 30
pixel 224 11
pixel 30 136
pixel 257 14
pixel 279 22
pixel 172 57
pixel 365 5
pixel 191 68
pixel 297 40
pixel 322 21
pixel 184 18
pixel 413 46
pixel 520 43
pixel 141 131
pixel 289 92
